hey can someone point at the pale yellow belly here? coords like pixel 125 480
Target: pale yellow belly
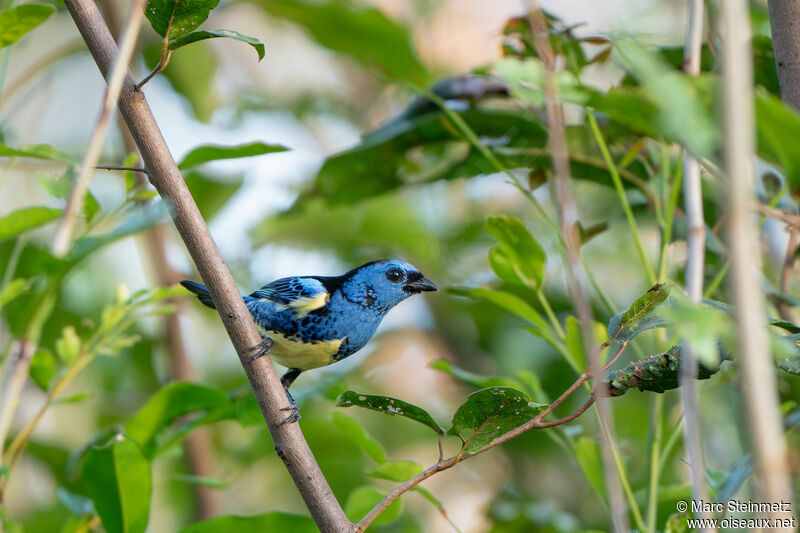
pixel 305 356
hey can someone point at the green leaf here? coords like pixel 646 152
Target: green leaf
pixel 520 257
pixel 640 316
pixel 699 325
pixel 790 365
pixel 361 31
pixel 428 148
pixel 14 289
pixel 68 345
pixel 490 413
pixel 17 21
pixel 37 151
pixel 73 398
pixel 776 126
pixel 254 524
pixel 43 368
pixel 188 15
pixel 363 499
pixel 587 454
pixel 388 405
pixel 472 379
pixel 201 480
pixel 117 476
pixel 26 219
pixel 215 152
pixel 356 433
pixel 61 188
pixel 202 35
pixel 507 301
pixel 170 402
pixel 525 80
pixel 396 470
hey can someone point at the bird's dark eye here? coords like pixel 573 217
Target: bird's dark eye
pixel 394 275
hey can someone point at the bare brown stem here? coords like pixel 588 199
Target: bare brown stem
pixel 163 173
pixel 758 378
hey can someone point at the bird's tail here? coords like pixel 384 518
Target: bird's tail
pixel 200 290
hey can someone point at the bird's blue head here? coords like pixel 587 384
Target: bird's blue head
pixel 385 283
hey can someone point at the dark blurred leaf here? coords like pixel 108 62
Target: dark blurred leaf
pixel 26 219
pixel 474 380
pixel 790 365
pixel 388 405
pixel 37 151
pixel 657 373
pixel 519 258
pixel 118 478
pixel 43 368
pixel 210 194
pixel 358 30
pixel 640 316
pixel 359 436
pixel 390 156
pixel 17 21
pixel 396 470
pixel 363 499
pixel 191 73
pixel 170 402
pixel 254 524
pixel 215 152
pixel 202 35
pixel 490 413
pixel 188 15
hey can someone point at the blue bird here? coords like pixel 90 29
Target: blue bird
pixel 312 321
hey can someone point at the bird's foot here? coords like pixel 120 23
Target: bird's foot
pixel 261 349
pixel 293 408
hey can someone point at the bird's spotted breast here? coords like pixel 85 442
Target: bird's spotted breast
pixel 292 352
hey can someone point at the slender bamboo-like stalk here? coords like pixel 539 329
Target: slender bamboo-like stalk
pixel 66 224
pixel 758 378
pixel 165 176
pixel 695 267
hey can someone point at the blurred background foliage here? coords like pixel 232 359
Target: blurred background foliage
pixel 371 129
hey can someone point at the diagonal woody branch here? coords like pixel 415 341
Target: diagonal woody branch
pixel 163 173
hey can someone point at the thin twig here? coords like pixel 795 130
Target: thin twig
pixel 695 269
pixel 119 70
pixel 131 169
pixel 568 218
pixel 163 173
pixel 757 374
pixel 784 309
pixel 14 388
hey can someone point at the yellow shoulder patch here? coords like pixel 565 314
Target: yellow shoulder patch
pixel 303 306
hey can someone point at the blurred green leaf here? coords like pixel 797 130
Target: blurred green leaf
pixel 254 524
pixel 17 21
pixel 640 316
pixel 363 499
pixel 61 188
pixel 574 343
pixel 186 15
pixel 523 258
pixel 396 470
pixel 26 219
pixel 170 402
pixel 215 152
pixel 776 125
pixel 472 379
pixel 587 453
pixel 210 194
pixel 77 504
pixel 358 30
pixel 428 148
pixel 118 478
pixel 699 325
pixel 505 300
pixel 388 405
pixel 202 35
pixel 525 80
pixel 43 368
pixel 14 289
pixel 490 413
pixel 790 365
pixel 191 73
pixel 73 398
pixel 37 151
pixel 359 436
pixel 68 345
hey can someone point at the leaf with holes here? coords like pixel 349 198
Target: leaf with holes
pixel 230 34
pixel 388 405
pixel 640 316
pixel 185 15
pixel 490 413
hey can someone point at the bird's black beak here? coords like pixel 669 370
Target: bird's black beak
pixel 422 284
